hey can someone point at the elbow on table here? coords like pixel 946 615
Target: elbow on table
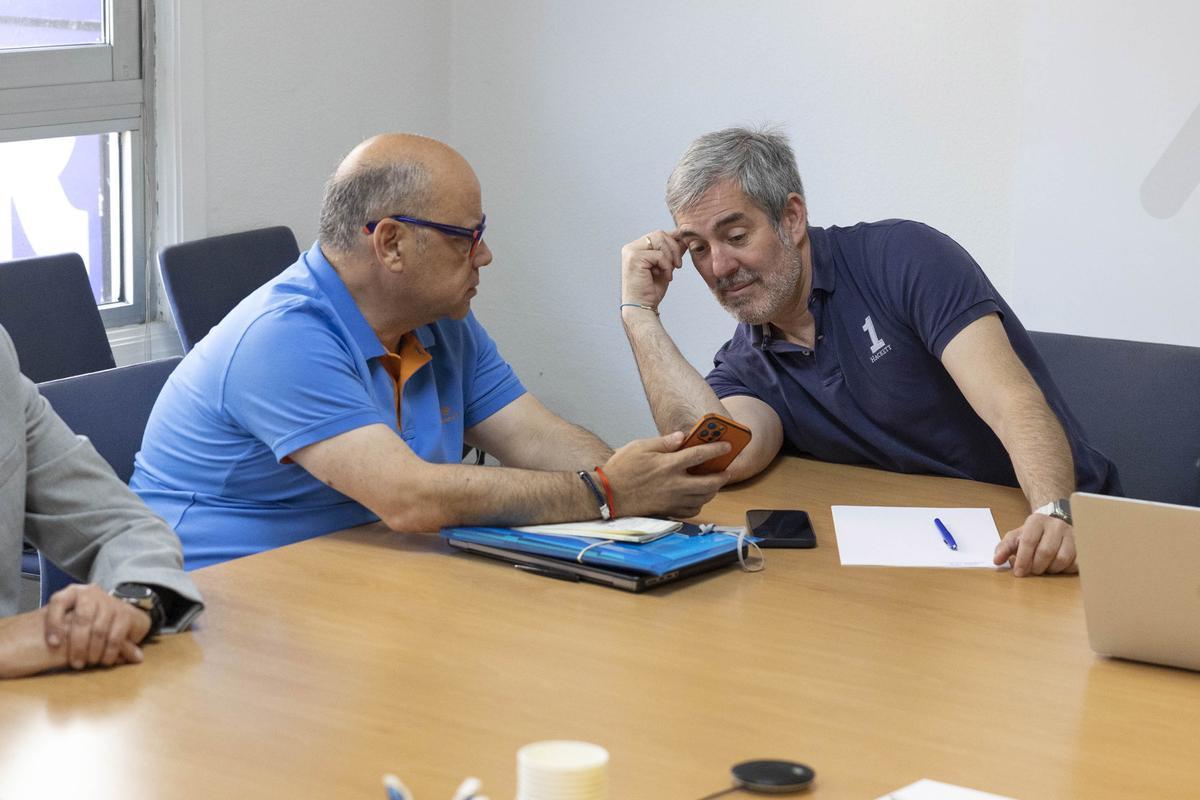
pixel 415 518
pixel 418 508
pixel 418 498
pixel 754 459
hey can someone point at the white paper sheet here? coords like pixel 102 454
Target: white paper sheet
pixel 926 789
pixel 907 537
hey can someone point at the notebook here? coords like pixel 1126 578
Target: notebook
pixel 621 529
pixel 621 565
pixel 1141 588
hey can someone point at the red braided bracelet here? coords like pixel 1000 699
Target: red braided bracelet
pixel 608 492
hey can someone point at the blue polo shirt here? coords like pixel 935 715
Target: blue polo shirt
pixel 887 298
pixel 293 364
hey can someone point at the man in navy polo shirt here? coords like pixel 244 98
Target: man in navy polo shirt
pixel 341 392
pixel 882 343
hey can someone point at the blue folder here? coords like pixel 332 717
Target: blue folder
pixel 671 553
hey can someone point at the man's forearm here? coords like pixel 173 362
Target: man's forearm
pixel 1040 453
pixel 23 648
pixel 677 393
pixel 527 435
pixel 454 494
pixel 565 446
pixel 580 448
pixel 1004 394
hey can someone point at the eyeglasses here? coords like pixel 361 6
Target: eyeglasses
pixel 474 234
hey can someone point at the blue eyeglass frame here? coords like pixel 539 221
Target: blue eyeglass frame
pixel 474 234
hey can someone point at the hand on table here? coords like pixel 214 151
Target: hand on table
pixel 93 627
pixel 1043 545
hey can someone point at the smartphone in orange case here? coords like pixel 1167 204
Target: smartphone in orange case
pixel 715 428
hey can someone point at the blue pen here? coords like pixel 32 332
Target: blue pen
pixel 396 790
pixel 946 535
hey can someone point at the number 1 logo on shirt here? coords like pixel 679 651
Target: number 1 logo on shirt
pixel 879 348
pixel 877 344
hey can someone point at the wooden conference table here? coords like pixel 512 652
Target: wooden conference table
pixel 323 665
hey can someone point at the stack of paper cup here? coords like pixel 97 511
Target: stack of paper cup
pixel 562 770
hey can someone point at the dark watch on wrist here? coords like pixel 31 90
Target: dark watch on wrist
pixel 1060 508
pixel 145 598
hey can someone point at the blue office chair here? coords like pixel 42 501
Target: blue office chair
pixel 30 562
pixel 111 409
pixel 1138 404
pixel 47 307
pixel 206 278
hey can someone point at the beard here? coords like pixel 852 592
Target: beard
pixel 777 290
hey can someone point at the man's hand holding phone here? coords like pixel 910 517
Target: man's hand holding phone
pixel 654 478
pixel 715 428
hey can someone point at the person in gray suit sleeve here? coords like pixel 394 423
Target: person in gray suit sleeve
pixel 57 491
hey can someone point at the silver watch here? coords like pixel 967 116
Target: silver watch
pixel 141 596
pixel 1060 508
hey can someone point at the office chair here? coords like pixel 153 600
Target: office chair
pixel 111 409
pixel 30 566
pixel 1138 404
pixel 206 278
pixel 47 307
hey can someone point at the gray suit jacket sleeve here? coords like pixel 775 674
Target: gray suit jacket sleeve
pixel 73 507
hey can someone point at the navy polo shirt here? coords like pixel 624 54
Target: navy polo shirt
pixel 887 298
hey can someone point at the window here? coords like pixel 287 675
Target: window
pixel 72 150
pixel 29 24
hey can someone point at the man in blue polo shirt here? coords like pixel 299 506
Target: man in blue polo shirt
pixel 342 391
pixel 882 343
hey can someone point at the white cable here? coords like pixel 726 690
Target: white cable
pixel 600 543
pixel 755 565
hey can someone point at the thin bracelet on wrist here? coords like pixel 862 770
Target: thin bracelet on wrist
pixel 605 511
pixel 608 491
pixel 640 305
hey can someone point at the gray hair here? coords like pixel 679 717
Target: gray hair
pixel 365 193
pixel 760 160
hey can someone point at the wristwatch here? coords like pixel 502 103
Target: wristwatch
pixel 141 596
pixel 1060 508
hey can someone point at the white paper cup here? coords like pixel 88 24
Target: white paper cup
pixel 562 770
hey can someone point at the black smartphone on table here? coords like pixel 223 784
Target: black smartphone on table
pixel 781 527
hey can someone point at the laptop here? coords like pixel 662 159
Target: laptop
pixel 1139 566
pixel 570 571
pixel 620 565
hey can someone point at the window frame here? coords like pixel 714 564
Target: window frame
pixel 117 58
pixel 76 90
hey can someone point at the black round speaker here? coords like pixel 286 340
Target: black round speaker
pixel 773 777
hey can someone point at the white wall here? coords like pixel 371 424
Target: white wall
pixel 290 87
pixel 1025 132
pixel 1101 250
